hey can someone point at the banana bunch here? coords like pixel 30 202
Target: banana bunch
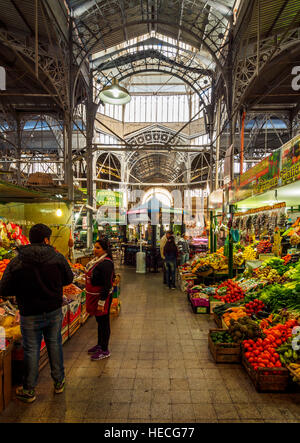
pixel 296 369
pixel 273 276
pixel 249 253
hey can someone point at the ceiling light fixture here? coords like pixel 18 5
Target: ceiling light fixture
pixel 115 94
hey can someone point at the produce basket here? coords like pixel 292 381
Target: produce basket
pixel 224 352
pixel 267 379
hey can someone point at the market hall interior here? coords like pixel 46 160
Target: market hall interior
pixel 160 370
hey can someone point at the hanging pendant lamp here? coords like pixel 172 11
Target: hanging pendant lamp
pixel 115 94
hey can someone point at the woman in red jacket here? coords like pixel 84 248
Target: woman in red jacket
pixel 99 281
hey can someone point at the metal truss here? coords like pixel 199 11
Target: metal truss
pixel 104 24
pixel 48 63
pixel 253 56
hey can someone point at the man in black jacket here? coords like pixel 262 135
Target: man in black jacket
pixel 36 278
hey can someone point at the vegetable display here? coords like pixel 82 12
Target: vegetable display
pixel 221 337
pixel 229 291
pixel 262 353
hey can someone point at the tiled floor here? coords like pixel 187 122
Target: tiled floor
pixel 160 370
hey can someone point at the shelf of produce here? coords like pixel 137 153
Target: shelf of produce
pixel 267 379
pixel 224 352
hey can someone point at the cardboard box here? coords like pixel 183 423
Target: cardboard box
pixel 65 312
pixel 74 310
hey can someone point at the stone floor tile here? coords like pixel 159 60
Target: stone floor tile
pixel 183 411
pixel 180 397
pixel 226 411
pixel 248 411
pixel 161 410
pixel 204 411
pixel 118 411
pixel 179 384
pixel 140 410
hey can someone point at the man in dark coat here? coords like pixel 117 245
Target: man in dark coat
pixel 36 278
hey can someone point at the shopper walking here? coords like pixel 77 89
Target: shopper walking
pixel 163 242
pixel 171 254
pixel 99 281
pixel 36 278
pixel 184 249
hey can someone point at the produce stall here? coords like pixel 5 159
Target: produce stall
pixel 257 315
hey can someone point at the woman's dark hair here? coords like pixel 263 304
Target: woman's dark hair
pixel 105 246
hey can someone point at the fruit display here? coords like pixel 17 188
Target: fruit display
pixel 264 247
pixel 234 314
pixel 71 290
pixel 3 265
pixel 268 274
pixel 244 328
pixel 77 266
pixel 249 253
pixel 216 261
pixel 229 291
pixel 275 263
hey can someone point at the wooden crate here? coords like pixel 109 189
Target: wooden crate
pixel 6 376
pixel 267 379
pixel 224 352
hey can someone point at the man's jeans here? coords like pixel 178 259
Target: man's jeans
pixel 171 272
pixel 184 258
pixel 33 329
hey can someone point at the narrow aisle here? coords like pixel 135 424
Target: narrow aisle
pixel 160 370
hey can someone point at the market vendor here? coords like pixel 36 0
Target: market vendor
pixel 99 281
pixel 36 278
